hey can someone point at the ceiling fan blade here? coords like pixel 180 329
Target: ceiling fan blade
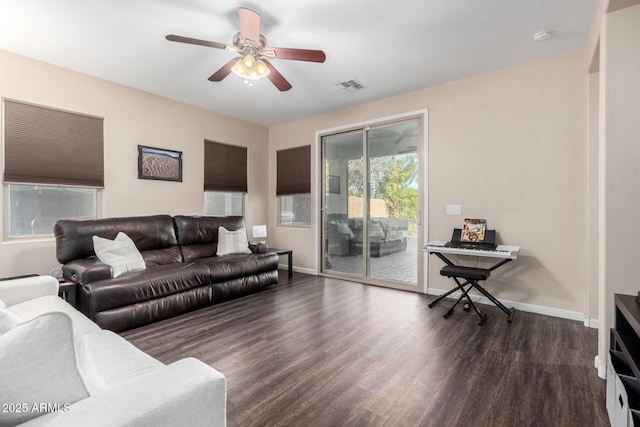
pixel 298 54
pixel 224 71
pixel 276 78
pixel 189 40
pixel 249 24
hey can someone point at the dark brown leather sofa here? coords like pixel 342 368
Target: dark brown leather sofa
pixel 182 271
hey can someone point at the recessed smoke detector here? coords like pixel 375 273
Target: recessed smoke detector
pixel 349 86
pixel 542 36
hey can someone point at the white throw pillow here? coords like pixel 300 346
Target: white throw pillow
pixel 44 367
pixel 344 229
pixel 121 254
pixel 7 321
pixel 232 242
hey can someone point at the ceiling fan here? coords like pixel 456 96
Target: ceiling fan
pixel 252 47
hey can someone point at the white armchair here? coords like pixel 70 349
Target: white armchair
pixel 57 368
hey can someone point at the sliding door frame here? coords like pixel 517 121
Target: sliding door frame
pixel 423 151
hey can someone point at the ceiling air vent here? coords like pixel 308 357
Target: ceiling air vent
pixel 349 86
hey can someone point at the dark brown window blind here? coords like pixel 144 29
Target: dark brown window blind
pixel 47 146
pixel 293 171
pixel 225 167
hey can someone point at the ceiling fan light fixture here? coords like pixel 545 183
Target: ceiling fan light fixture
pixel 249 68
pixel 262 69
pixel 249 61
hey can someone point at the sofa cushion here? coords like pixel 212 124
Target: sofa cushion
pixel 232 242
pixel 141 313
pixel 43 362
pixel 116 359
pixel 376 233
pixel 243 285
pixel 15 291
pixel 394 228
pixel 185 393
pixel 35 307
pixel 74 238
pixel 163 256
pixel 198 235
pixel 154 282
pixel 229 267
pixel 2 304
pixel 120 253
pixel 7 321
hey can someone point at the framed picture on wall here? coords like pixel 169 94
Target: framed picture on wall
pixel 334 184
pixel 159 164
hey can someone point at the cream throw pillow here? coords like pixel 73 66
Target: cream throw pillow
pixel 121 254
pixel 232 242
pixel 44 366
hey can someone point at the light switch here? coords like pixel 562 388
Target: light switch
pixel 454 209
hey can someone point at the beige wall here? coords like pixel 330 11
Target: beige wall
pixel 620 157
pixel 132 117
pixel 526 125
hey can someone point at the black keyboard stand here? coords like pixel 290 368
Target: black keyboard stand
pixel 471 277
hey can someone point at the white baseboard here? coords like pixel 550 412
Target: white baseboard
pixel 591 323
pixel 530 308
pixel 298 269
pixel 600 367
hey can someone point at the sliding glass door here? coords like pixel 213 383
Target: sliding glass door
pixel 371 198
pixel 343 213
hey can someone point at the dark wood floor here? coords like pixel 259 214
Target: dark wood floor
pixel 314 351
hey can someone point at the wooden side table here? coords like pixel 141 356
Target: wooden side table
pixel 68 290
pixel 289 254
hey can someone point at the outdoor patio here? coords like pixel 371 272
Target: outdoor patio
pixel 397 267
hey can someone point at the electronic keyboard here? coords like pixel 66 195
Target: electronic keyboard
pixel 501 251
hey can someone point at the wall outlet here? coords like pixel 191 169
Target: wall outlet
pixel 454 209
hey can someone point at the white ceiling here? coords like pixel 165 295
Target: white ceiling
pixel 391 47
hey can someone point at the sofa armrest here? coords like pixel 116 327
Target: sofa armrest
pixel 258 248
pixel 14 291
pixel 187 392
pixel 87 270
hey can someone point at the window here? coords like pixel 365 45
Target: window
pixel 37 190
pixel 225 167
pixel 225 179
pixel 220 203
pixel 295 210
pixel 293 185
pixel 34 209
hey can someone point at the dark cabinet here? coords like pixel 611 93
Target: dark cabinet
pixel 623 373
